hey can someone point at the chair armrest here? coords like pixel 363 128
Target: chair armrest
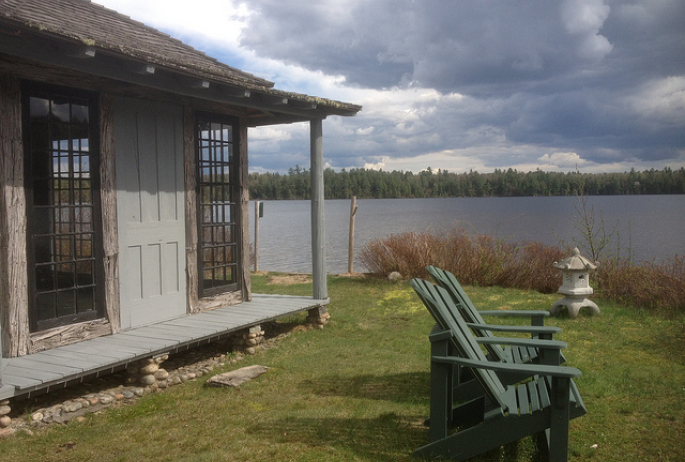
pixel 438 334
pixel 531 369
pixel 515 313
pixel 524 329
pixel 525 342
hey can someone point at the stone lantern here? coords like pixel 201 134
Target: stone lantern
pixel 576 285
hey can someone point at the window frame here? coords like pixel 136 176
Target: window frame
pixel 32 174
pixel 234 223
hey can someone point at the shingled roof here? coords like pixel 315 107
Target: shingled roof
pixel 95 25
pixel 84 23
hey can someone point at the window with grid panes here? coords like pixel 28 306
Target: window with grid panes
pixel 64 237
pixel 217 206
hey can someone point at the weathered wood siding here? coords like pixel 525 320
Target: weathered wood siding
pixel 108 199
pixel 13 269
pixel 190 165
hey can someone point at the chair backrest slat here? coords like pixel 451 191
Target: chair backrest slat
pixel 449 281
pixel 466 307
pixel 440 304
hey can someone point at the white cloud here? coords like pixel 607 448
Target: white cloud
pixel 364 131
pixel 585 18
pixel 563 160
pixel 275 133
pixel 456 85
pixel 662 98
pixel 217 21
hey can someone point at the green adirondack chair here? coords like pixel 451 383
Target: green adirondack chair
pixel 541 350
pixel 474 318
pixel 543 405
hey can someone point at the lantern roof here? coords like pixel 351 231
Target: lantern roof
pixel 576 262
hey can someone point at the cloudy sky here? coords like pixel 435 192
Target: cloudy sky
pixel 597 85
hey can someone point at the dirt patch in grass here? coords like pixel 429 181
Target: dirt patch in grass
pixel 284 279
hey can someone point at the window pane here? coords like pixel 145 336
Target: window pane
pixel 84 274
pixel 66 276
pixel 46 305
pixel 79 112
pixel 66 303
pixel 215 166
pixel 46 278
pixel 61 213
pixel 60 109
pixel 85 300
pixel 39 107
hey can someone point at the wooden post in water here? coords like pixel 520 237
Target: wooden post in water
pixel 350 253
pixel 256 236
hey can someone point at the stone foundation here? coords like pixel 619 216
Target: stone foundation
pixel 147 371
pixel 248 341
pixel 79 406
pixel 5 420
pixel 318 317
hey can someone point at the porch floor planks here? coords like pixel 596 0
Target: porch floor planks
pixel 175 334
pixel 51 369
pixel 191 332
pixel 89 361
pixel 18 377
pixel 207 327
pixel 109 347
pixel 152 345
pixel 57 366
pixel 46 369
pixel 111 351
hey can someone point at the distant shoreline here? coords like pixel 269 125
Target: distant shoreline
pixel 378 184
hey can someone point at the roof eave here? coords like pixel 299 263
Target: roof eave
pixel 274 106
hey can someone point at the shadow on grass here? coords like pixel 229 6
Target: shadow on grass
pixel 408 387
pixel 388 437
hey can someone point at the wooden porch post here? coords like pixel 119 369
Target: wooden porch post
pixel 317 197
pixel 14 322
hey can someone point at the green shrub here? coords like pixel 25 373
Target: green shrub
pixel 475 260
pixel 651 286
pixel 487 261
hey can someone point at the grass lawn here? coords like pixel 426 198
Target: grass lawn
pixel 358 391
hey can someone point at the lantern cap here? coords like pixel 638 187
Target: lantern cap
pixel 576 262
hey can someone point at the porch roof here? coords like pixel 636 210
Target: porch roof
pixel 86 37
pixel 66 365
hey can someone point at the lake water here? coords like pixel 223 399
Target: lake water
pixel 649 227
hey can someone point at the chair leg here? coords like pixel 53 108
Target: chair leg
pixel 560 417
pixel 441 393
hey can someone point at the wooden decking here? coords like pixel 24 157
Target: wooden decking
pixel 69 364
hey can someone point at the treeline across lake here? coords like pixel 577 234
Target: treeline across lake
pixel 377 184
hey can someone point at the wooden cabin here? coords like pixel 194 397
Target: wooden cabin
pixel 124 200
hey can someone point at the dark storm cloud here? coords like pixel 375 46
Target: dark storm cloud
pixel 603 79
pixel 447 45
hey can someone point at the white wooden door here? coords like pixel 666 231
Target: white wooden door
pixel 150 201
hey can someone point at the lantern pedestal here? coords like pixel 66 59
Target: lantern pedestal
pixel 576 285
pixel 573 304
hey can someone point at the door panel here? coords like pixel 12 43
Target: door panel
pixel 150 200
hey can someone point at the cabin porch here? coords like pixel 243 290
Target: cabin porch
pixel 74 363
